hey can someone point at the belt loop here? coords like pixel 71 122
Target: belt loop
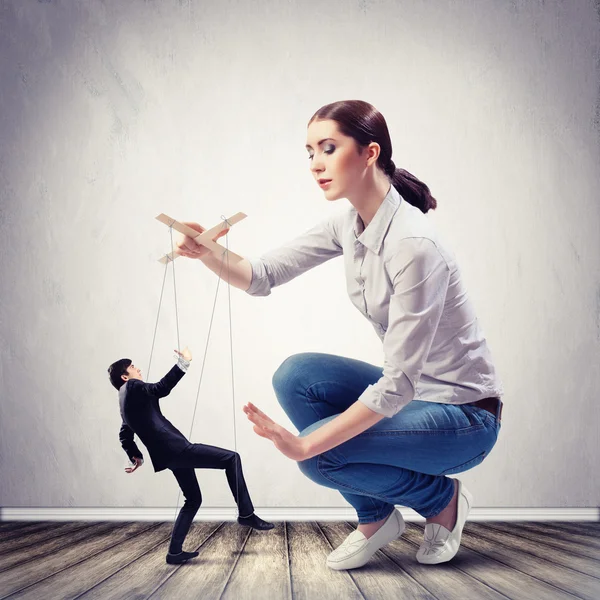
pixel 469 416
pixel 498 411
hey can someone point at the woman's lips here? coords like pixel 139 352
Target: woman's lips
pixel 324 183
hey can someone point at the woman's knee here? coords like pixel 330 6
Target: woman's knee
pixel 287 370
pixel 309 468
pixel 291 374
pixel 316 468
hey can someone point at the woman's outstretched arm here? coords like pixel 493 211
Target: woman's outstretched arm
pixel 354 420
pixel 350 423
pixel 258 276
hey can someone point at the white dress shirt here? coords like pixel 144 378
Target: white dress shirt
pixel 182 363
pixel 408 285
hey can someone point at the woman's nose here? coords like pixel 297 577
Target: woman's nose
pixel 316 166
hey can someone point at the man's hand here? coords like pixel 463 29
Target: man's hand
pixel 186 354
pixel 138 463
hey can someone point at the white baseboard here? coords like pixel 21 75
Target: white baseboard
pixel 281 514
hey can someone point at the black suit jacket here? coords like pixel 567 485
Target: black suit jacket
pixel 141 415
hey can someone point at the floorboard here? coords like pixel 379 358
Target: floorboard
pixel 105 561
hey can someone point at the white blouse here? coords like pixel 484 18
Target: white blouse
pixel 403 280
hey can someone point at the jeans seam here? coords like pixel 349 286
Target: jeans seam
pixel 461 430
pixel 379 517
pixel 351 489
pixel 373 505
pixel 323 473
pixel 462 464
pixel 337 383
pixel 310 401
pixel 468 414
pixel 435 511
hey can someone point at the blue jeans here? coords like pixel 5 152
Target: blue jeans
pixel 401 460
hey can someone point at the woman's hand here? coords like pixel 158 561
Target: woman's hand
pixel 287 443
pixel 187 247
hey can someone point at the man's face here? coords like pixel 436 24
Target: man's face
pixel 132 373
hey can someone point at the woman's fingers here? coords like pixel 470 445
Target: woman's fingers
pixel 186 246
pixel 195 226
pixel 186 242
pixel 184 252
pixel 260 412
pixel 252 411
pixel 260 432
pixel 255 417
pixel 265 428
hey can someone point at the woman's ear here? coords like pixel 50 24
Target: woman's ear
pixel 124 377
pixel 373 151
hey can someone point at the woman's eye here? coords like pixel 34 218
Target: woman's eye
pixel 328 150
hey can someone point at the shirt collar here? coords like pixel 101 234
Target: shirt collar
pixel 373 235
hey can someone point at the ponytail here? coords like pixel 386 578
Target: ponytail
pixel 413 190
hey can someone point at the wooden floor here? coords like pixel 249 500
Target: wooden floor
pixel 536 561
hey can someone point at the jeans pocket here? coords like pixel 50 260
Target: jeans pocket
pixel 466 465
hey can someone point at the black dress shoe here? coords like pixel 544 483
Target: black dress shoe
pixel 255 522
pixel 181 557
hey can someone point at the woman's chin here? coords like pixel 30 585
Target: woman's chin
pixel 330 196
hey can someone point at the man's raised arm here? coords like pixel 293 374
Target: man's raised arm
pixel 169 381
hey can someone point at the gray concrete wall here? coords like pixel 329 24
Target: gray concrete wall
pixel 112 112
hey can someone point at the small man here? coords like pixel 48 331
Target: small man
pixel 170 449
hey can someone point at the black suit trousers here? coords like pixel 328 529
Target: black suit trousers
pixel 203 456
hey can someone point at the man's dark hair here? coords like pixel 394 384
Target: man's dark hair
pixel 116 370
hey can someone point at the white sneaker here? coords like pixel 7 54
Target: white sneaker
pixel 356 550
pixel 439 544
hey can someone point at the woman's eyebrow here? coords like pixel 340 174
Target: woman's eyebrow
pixel 307 146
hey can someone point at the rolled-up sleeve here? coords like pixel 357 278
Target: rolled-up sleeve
pixel 312 248
pixel 419 276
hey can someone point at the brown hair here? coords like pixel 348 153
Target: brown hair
pixel 365 124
